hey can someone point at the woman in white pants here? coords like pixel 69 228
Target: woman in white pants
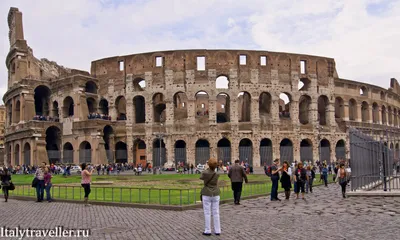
pixel 210 197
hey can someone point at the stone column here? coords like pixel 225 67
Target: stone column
pixel 331 114
pixel 294 112
pixel 149 111
pixel 212 111
pixel 13 119
pixel 346 116
pixel 359 113
pixel 234 149
pixel 255 114
pixel 256 154
pixel 234 111
pixel 169 112
pixel 380 120
pixel 22 109
pixel 275 108
pixel 370 114
pixel 313 113
pixel 169 146
pixel 191 108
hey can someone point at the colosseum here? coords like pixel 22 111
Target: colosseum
pixel 186 106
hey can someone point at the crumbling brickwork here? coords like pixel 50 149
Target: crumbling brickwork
pixel 186 106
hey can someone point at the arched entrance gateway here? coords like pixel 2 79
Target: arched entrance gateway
pixel 246 151
pixel 340 150
pixel 286 150
pixel 42 100
pixel 266 152
pixel 224 151
pixel 159 153
pixel 53 143
pixel 121 152
pixel 16 155
pixel 68 153
pixel 27 154
pixel 180 152
pixel 306 150
pixel 85 152
pixel 202 151
pixel 325 151
pixel 139 152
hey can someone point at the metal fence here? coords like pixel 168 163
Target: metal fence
pixel 177 197
pixel 286 153
pixel 306 153
pixel 246 154
pixel 180 155
pixel 325 154
pixel 340 152
pixel 372 162
pixel 202 155
pixel 224 154
pixel 157 161
pixel 266 155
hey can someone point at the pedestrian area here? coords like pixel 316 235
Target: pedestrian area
pixel 324 215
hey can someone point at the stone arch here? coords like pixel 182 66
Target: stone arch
pixel 54 110
pixel 246 151
pixel 91 87
pixel 222 82
pixel 27 154
pixel 223 108
pixel 340 149
pixel 202 105
pixel 91 104
pixel 68 107
pixel 85 152
pixel 323 110
pixel 244 107
pixel 224 150
pixel 9 113
pixel 304 84
pixel 264 107
pixel 53 143
pixel 285 100
pixel 139 84
pixel 159 152
pixel 390 118
pixel 139 152
pixel 139 104
pixel 286 150
pixel 180 106
pixel 364 111
pixel 304 109
pixel 108 135
pixel 339 108
pixel 383 112
pixel 42 100
pixel 395 117
pixel 363 91
pixel 306 150
pixel 120 105
pixel 68 153
pixel 266 152
pixel 325 151
pixel 202 154
pixel 159 108
pixel 180 152
pixel 352 109
pixel 17 111
pixel 121 152
pixel 16 155
pixel 103 106
pixel 375 113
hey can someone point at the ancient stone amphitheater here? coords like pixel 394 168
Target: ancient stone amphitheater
pixel 186 106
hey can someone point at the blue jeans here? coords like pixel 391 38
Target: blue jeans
pixel 274 189
pixel 48 188
pixel 40 190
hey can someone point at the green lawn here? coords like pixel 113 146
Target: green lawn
pixel 165 189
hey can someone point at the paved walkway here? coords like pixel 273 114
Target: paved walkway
pixel 325 215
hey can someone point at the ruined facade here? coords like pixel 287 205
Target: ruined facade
pixel 186 106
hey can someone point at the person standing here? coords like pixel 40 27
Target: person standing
pixel 40 184
pixel 210 197
pixel 300 178
pixel 325 175
pixel 47 184
pixel 237 174
pixel 5 178
pixel 275 169
pixel 285 179
pixel 341 178
pixel 85 182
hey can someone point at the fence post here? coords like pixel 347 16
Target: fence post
pixel 140 195
pixel 120 194
pixel 180 197
pixel 169 196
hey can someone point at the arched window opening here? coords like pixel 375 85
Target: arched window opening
pixel 54 111
pixel 17 111
pixel 85 152
pixel 42 99
pixel 266 152
pixel 286 150
pixel 352 110
pixel 139 85
pixel 202 153
pixel 180 106
pixel 375 113
pixel 223 108
pixel 140 109
pixel 103 107
pixel 222 82
pixel 202 105
pixel 68 107
pixel 244 105
pixel 224 150
pixel 304 109
pixel 306 150
pixel 284 105
pixel 384 114
pixel 364 112
pixel 121 152
pixel 323 108
pixel 264 107
pixel 91 87
pixel 120 105
pixel 304 84
pixel 159 108
pixel 339 108
pixel 53 143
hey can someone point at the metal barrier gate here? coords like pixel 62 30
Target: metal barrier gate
pixel 372 161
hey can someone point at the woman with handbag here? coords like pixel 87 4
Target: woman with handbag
pixel 210 197
pixel 341 178
pixel 5 182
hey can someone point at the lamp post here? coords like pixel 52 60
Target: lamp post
pixel 160 136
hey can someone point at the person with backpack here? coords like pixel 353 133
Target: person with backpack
pixel 341 178
pixel 274 171
pixel 300 178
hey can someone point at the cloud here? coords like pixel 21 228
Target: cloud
pixel 360 35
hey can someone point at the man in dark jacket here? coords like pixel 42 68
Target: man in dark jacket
pixel 275 169
pixel 237 174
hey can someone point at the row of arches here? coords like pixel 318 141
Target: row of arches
pixel 369 112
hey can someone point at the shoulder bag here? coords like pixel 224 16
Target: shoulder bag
pixel 201 195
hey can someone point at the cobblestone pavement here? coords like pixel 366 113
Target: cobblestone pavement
pixel 325 215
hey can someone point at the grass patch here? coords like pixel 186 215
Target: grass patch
pixel 165 189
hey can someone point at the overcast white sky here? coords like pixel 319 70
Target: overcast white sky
pixel 362 35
